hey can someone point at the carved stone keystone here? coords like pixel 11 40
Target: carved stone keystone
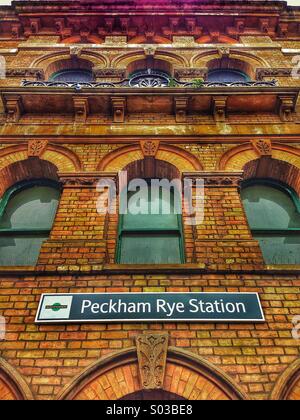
pixel 262 147
pixel 152 357
pixel 37 147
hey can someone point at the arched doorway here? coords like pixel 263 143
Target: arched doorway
pixel 156 395
pixel 287 386
pixel 187 376
pixel 12 385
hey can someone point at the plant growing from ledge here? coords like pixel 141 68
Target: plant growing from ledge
pixel 172 83
pixel 197 83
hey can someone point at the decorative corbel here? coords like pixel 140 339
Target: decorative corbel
pixel 191 24
pixel 16 29
pixel 149 147
pixel 35 25
pixel 264 25
pixel 286 108
pixel 36 147
pixel 14 107
pixel 219 108
pixel 240 25
pixel 118 107
pixel 283 29
pixel 263 147
pixel 59 25
pixel 81 107
pixel 181 106
pixel 152 359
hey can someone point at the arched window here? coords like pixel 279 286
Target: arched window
pixel 227 76
pixel 149 78
pixel 72 76
pixel 27 213
pixel 273 212
pixel 150 222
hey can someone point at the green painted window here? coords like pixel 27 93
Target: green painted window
pixel 27 213
pixel 273 214
pixel 151 237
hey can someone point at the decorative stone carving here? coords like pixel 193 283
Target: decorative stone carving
pixel 149 148
pixel 191 73
pixel 262 147
pixel 35 25
pixel 38 74
pixel 36 147
pixel 16 30
pixel 85 179
pixel 110 73
pixel 118 106
pixel 217 178
pixel 14 107
pixel 219 108
pixel 152 356
pixel 81 107
pixel 181 106
pixel 224 52
pixel 286 108
pixel 150 51
pixel 75 51
pixel 273 72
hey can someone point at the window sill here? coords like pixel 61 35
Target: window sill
pixel 159 268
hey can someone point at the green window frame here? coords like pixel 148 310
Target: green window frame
pixel 33 235
pixel 277 237
pixel 151 231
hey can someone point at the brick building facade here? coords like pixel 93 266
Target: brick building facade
pixel 202 89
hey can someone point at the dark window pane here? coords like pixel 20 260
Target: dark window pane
pixel 150 249
pixel 269 208
pixel 20 250
pixel 151 211
pixel 280 249
pixel 73 76
pixel 31 208
pixel 226 76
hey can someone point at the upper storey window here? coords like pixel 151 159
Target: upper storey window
pixel 227 76
pixel 73 76
pixel 274 218
pixel 149 78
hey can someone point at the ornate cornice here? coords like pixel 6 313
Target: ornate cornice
pixel 37 74
pixel 85 179
pixel 216 179
pixel 273 72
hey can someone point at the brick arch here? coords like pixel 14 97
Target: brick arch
pixel 287 386
pixel 187 376
pixel 141 39
pixel 126 59
pixel 243 60
pixel 119 158
pixel 267 167
pixel 237 157
pixel 25 170
pixel 12 384
pixel 64 159
pixel 52 62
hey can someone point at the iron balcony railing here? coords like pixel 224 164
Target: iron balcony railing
pixel 150 82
